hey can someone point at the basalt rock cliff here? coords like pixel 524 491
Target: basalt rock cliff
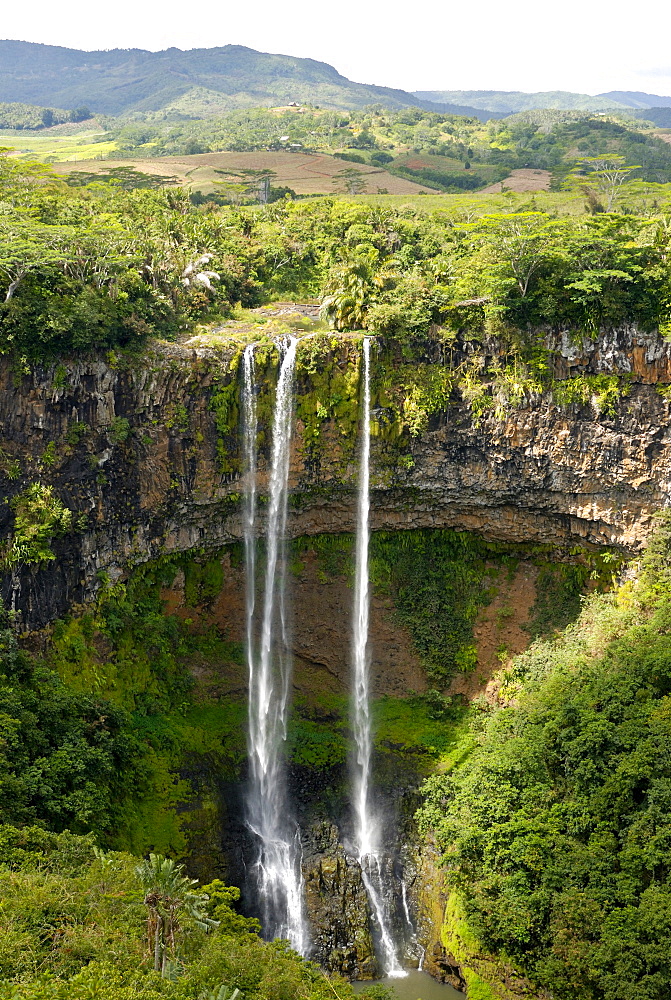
pixel 136 449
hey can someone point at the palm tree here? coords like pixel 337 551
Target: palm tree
pixel 171 899
pixel 348 290
pixel 352 287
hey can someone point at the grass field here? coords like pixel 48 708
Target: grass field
pixel 445 165
pixel 524 179
pixel 644 198
pixel 58 144
pixel 305 173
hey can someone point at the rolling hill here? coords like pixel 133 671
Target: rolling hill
pixel 513 101
pixel 637 99
pixel 195 83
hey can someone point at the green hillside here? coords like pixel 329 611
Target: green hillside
pixel 432 149
pixel 196 83
pixel 638 99
pixel 510 101
pixel 31 116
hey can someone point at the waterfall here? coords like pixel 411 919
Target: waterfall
pixel 278 866
pixel 366 824
pixel 411 930
pixel 249 429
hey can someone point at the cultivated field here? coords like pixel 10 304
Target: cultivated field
pixel 522 180
pixel 61 142
pixel 305 173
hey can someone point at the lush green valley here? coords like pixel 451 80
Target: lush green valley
pixel 521 660
pixel 97 267
pixel 549 808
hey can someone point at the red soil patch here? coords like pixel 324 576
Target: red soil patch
pixel 499 633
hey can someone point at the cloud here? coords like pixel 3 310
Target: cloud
pixel 655 71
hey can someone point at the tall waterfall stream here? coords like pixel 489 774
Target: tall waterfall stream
pixel 366 823
pixel 269 816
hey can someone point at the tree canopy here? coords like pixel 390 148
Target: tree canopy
pixel 555 832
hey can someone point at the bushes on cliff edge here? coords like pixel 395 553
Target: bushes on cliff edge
pixel 91 267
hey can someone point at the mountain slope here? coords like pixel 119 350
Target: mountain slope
pixel 512 101
pixel 637 99
pixel 123 80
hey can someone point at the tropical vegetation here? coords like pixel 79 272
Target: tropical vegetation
pixel 555 831
pixel 97 266
pixel 550 809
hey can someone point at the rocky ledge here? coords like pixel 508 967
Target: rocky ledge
pixel 136 450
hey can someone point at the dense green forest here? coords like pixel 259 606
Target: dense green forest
pixel 555 832
pixel 95 267
pixel 30 116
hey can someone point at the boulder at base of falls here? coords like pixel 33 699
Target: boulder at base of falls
pixel 337 906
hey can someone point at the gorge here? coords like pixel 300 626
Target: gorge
pixel 169 463
pixel 335 546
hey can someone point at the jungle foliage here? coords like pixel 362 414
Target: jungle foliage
pixel 94 732
pixel 77 922
pixel 63 755
pixel 555 831
pixel 97 266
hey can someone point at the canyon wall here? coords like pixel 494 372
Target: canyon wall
pixel 135 447
pixel 144 450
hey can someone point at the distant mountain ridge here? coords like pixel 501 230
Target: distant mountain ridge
pixel 202 83
pixel 515 101
pixel 230 77
pixel 637 99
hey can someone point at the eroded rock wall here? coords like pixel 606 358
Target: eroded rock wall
pixel 136 450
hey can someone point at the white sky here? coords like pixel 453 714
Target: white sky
pixel 581 45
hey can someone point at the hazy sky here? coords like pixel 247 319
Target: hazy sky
pixel 582 45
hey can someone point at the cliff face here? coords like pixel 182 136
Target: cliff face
pixel 144 451
pixel 136 448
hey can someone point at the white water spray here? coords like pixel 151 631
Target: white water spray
pixel 366 825
pixel 411 930
pixel 406 908
pixel 278 866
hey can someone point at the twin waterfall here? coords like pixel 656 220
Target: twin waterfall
pixel 279 881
